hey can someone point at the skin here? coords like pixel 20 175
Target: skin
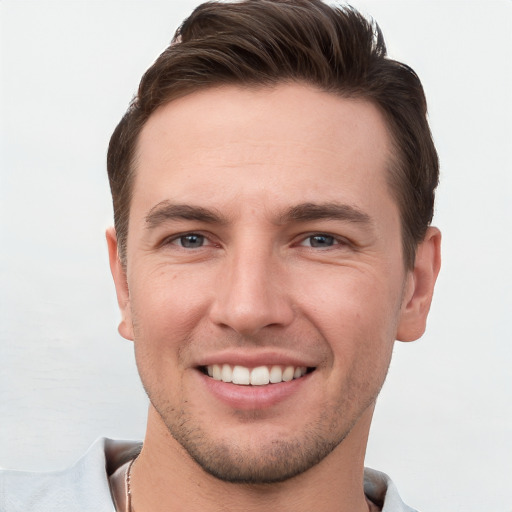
pixel 265 278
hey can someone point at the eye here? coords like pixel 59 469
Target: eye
pixel 319 241
pixel 189 241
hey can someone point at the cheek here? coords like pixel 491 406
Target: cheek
pixel 362 298
pixel 166 305
pixel 162 315
pixel 356 313
pixel 167 308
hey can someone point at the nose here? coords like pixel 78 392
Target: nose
pixel 252 293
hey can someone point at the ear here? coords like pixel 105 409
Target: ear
pixel 123 294
pixel 419 287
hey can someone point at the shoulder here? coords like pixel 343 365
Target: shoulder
pixel 381 490
pixel 82 487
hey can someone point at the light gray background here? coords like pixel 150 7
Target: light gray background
pixel 443 426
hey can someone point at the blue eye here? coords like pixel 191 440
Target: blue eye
pixel 321 240
pixel 190 241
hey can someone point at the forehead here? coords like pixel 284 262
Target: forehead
pixel 290 143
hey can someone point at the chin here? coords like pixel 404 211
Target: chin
pixel 247 454
pixel 266 463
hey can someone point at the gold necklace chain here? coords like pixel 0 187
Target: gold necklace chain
pixel 127 487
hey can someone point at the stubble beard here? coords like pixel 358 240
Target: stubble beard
pixel 275 461
pixel 268 459
pixel 272 460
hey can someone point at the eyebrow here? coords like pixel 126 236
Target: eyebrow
pixel 306 212
pixel 166 210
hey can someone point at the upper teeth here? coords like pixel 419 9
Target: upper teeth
pixel 259 376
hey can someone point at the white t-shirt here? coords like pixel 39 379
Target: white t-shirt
pixel 84 487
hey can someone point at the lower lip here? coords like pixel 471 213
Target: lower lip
pixel 252 397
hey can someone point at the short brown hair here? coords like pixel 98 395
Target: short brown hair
pixel 266 42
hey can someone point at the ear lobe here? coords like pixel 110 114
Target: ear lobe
pixel 123 294
pixel 420 287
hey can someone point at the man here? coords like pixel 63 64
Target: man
pixel 273 185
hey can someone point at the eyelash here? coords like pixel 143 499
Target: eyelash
pixel 181 236
pixel 334 240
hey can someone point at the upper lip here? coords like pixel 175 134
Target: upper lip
pixel 254 359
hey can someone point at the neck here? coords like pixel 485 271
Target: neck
pixel 165 477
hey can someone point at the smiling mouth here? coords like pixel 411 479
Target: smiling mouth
pixel 259 376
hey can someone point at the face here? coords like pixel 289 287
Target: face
pixel 265 282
